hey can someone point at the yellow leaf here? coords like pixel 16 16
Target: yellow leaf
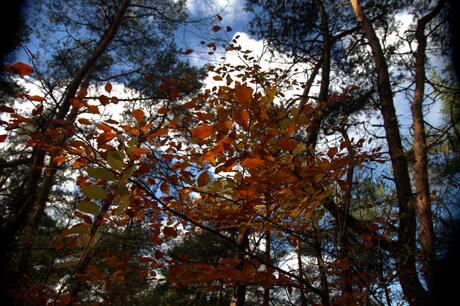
pixel 203 131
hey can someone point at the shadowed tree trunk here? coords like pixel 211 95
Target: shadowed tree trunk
pixel 405 255
pixel 427 236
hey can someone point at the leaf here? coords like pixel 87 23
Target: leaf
pixel 108 87
pixel 251 163
pixel 59 159
pixel 94 192
pixel 104 100
pixel 93 109
pixel 36 98
pixel 203 179
pixel 19 68
pixel 332 152
pixel 228 29
pixel 164 188
pixel 115 160
pixel 203 131
pixel 88 207
pixel 80 228
pixel 169 232
pixel 101 173
pixel 187 52
pixel 77 103
pixel 138 114
pixel 216 28
pixel 243 94
pixel 84 121
pixel 3 138
pixel 242 118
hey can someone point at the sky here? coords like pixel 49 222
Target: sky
pixel 192 34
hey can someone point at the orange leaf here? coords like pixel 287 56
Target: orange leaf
pixel 36 98
pixel 19 68
pixel 93 109
pixel 108 87
pixel 210 157
pixel 253 163
pixel 243 94
pixel 140 151
pixel 203 131
pixel 59 159
pixel 242 118
pixel 286 144
pixel 138 114
pixel 203 179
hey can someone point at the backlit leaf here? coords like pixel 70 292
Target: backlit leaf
pixel 243 94
pixel 253 163
pixel 101 173
pixel 115 160
pixel 59 159
pixel 203 131
pixel 88 207
pixel 19 68
pixel 94 192
pixel 80 228
pixel 138 114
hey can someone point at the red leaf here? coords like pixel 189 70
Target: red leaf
pixel 188 51
pixel 19 68
pixel 216 28
pixel 93 109
pixel 3 138
pixel 104 100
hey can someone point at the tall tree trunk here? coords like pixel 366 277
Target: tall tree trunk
pixel 427 236
pixel 239 291
pixel 268 241
pixel 303 299
pixel 405 255
pixel 313 128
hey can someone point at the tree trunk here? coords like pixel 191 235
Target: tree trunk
pixel 427 236
pixel 268 240
pixel 405 255
pixel 239 291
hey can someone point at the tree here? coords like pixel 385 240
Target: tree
pixel 275 179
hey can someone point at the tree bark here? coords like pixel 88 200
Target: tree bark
pixel 239 291
pixel 427 236
pixel 405 256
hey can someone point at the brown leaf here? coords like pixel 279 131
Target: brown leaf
pixel 108 87
pixel 203 179
pixel 243 94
